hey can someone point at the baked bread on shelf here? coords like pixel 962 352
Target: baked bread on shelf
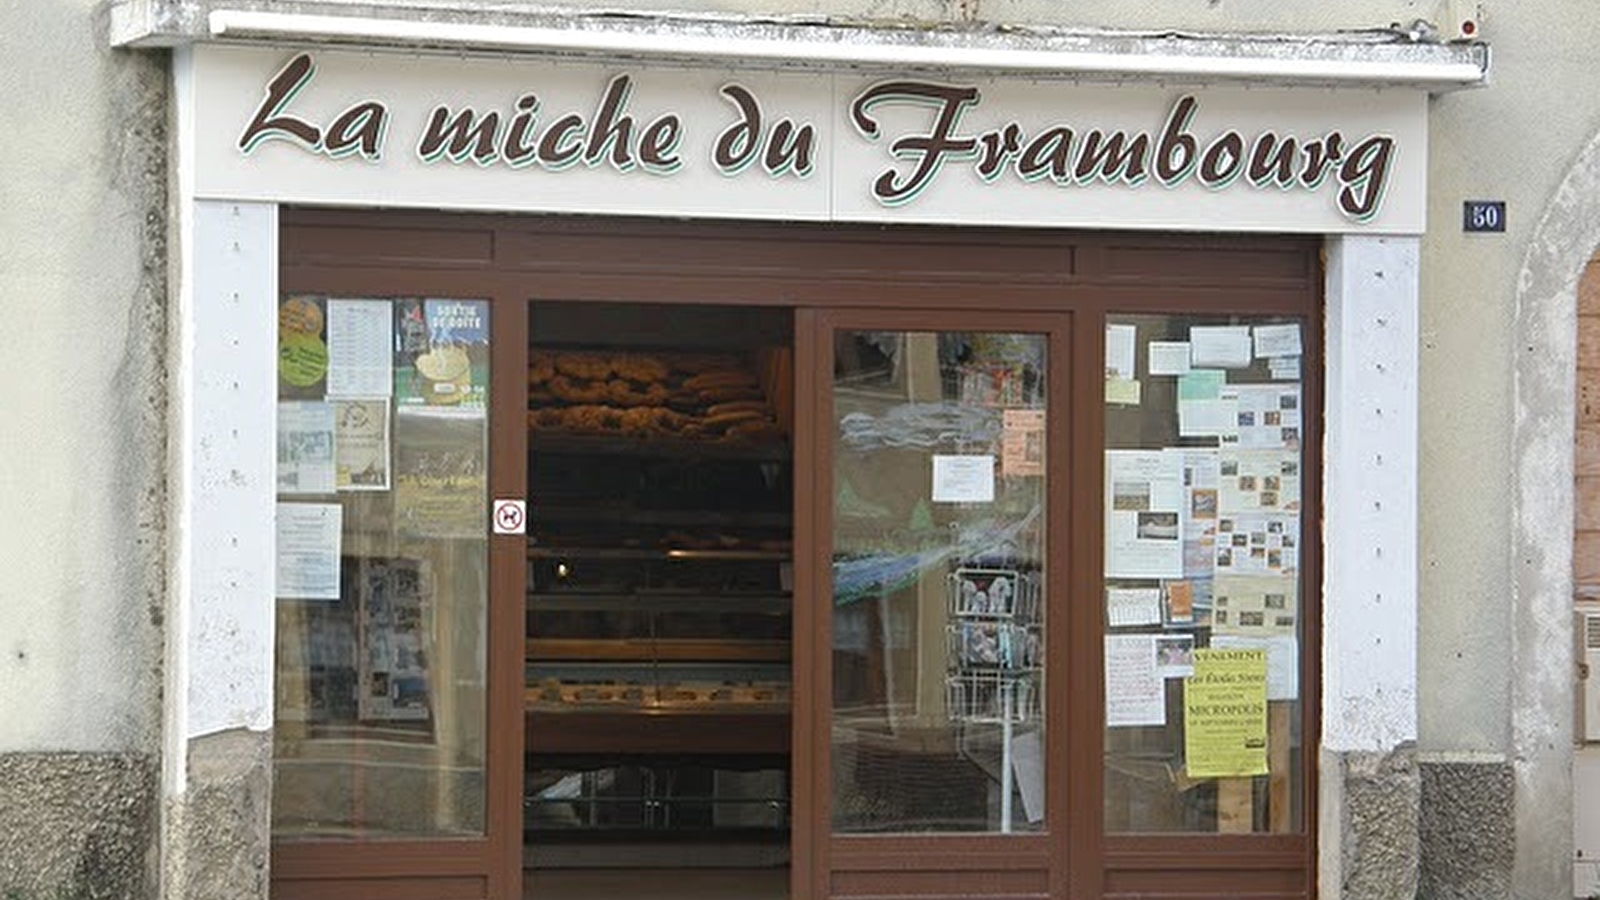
pixel 698 396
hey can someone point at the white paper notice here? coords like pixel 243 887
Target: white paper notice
pixel 1121 342
pixel 1278 340
pixel 1145 502
pixel 305 447
pixel 308 550
pixel 1133 606
pixel 1202 411
pixel 1284 368
pixel 1136 694
pixel 963 479
pixel 360 348
pixel 1027 761
pixel 1219 346
pixel 1283 660
pixel 1169 357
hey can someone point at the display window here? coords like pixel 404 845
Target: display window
pixel 781 561
pixel 382 577
pixel 1205 423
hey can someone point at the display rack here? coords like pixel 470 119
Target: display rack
pixel 658 635
pixel 994 652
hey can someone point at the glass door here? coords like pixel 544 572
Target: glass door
pixel 940 437
pixel 394 739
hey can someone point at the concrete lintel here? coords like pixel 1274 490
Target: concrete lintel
pixel 1380 57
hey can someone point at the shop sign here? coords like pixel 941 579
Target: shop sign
pixel 332 127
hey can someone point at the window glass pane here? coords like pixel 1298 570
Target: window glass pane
pixel 382 568
pixel 1204 427
pixel 938 580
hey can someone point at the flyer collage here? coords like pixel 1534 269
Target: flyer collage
pixel 1203 497
pixel 382 428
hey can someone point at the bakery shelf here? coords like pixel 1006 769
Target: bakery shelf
pixel 654 553
pixel 653 447
pixel 649 650
pixel 659 602
pixel 615 515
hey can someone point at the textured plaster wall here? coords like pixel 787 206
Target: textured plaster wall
pixel 82 296
pixel 82 299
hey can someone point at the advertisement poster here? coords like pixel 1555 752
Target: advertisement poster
pixel 1225 714
pixel 394 639
pixel 360 348
pixel 305 447
pixel 1255 605
pixel 1257 544
pixel 442 353
pixel 441 485
pixel 1268 415
pixel 308 550
pixel 1259 480
pixel 1022 443
pixel 302 354
pixel 1283 660
pixel 1145 503
pixel 362 446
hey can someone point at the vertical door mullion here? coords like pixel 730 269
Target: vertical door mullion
pixel 1084 609
pixel 508 478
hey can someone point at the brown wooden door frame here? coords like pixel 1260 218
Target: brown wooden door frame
pixel 963 863
pixel 815 269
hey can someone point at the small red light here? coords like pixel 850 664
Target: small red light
pixel 1469 28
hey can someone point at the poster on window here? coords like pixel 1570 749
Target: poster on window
pixel 305 447
pixel 1145 506
pixel 362 448
pixel 441 485
pixel 393 595
pixel 442 354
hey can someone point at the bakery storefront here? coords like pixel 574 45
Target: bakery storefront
pixel 760 478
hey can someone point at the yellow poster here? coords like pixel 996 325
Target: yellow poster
pixel 1225 714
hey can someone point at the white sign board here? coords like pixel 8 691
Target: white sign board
pixel 341 128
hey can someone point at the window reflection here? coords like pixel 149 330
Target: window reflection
pixel 938 572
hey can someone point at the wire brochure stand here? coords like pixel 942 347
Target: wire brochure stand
pixel 995 652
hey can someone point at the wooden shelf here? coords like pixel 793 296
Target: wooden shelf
pixel 617 515
pixel 653 553
pixel 644 601
pixel 653 447
pixel 696 732
pixel 707 650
